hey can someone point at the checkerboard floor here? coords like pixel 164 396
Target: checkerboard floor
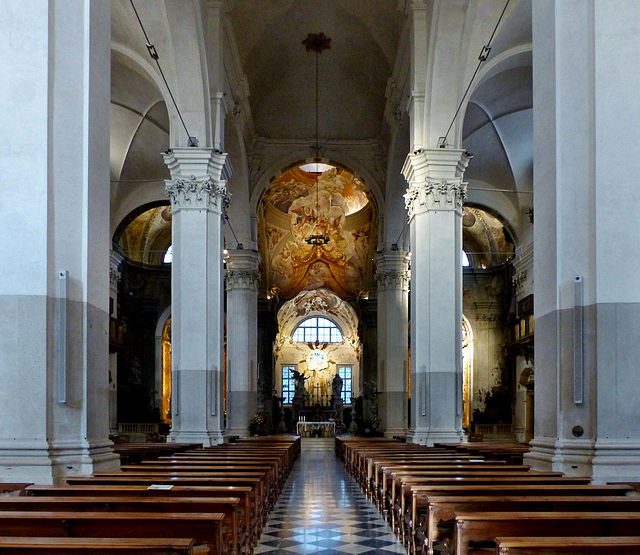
pixel 322 511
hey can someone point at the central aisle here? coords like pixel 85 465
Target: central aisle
pixel 321 510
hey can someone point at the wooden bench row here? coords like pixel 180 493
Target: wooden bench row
pixel 471 509
pixel 213 499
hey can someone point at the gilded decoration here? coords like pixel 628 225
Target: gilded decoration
pixel 302 204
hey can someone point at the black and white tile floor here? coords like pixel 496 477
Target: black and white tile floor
pixel 322 511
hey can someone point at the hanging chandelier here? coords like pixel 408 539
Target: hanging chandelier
pixel 317 43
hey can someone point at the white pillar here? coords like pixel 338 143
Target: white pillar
pixel 54 224
pixel 198 196
pixel 434 201
pixel 392 278
pixel 586 287
pixel 242 279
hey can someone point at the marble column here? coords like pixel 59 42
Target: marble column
pixel 198 195
pixel 585 278
pixel 434 201
pixel 242 279
pixel 392 279
pixel 54 224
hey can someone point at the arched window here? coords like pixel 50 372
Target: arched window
pixel 168 256
pixel 317 329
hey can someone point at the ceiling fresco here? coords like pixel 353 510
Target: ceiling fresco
pixel 299 205
pixel 485 239
pixel 148 236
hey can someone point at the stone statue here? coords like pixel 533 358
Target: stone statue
pixel 336 388
pixel 299 379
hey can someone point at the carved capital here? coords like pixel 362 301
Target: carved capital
pixel 242 279
pixel 197 193
pixel 392 279
pixel 446 194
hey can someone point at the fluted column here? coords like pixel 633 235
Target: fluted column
pixel 198 195
pixel 434 201
pixel 392 279
pixel 242 279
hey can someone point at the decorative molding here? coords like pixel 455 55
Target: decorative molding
pixel 445 194
pixel 392 279
pixel 114 279
pixel 241 279
pixel 197 193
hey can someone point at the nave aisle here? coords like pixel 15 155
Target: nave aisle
pixel 322 511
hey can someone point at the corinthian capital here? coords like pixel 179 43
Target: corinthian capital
pixel 435 195
pixel 198 178
pixel 392 279
pixel 242 279
pixel 197 193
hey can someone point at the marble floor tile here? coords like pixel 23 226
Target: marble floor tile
pixel 321 511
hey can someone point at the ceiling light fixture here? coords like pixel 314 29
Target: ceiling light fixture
pixel 317 43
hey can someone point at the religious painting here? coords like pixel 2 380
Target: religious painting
pixel 317 231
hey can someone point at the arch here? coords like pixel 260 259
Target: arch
pixel 318 371
pixel 300 155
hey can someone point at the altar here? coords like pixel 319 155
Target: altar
pixel 325 428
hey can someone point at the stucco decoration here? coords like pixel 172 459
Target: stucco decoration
pixel 317 361
pixel 296 207
pixel 486 241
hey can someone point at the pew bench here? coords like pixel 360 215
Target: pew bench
pixel 479 528
pixel 204 528
pixel 593 545
pixel 429 525
pixel 247 508
pixel 233 541
pixel 96 546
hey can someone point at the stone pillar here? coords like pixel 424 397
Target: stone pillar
pixel 392 278
pixel 198 197
pixel 434 201
pixel 54 228
pixel 586 287
pixel 242 279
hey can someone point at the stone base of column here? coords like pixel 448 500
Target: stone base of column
pixel 42 463
pixel 241 407
pixel 431 437
pixel 610 460
pixel 207 439
pixel 393 411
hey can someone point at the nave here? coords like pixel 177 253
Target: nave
pixel 321 510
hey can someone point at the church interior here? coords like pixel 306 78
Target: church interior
pixel 251 225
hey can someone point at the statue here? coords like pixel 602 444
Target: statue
pixel 336 388
pixel 300 389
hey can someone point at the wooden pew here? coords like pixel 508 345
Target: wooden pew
pixel 228 506
pixel 419 496
pixel 479 528
pixel 247 507
pixel 592 545
pixel 258 501
pixel 204 528
pixel 441 510
pixel 96 546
